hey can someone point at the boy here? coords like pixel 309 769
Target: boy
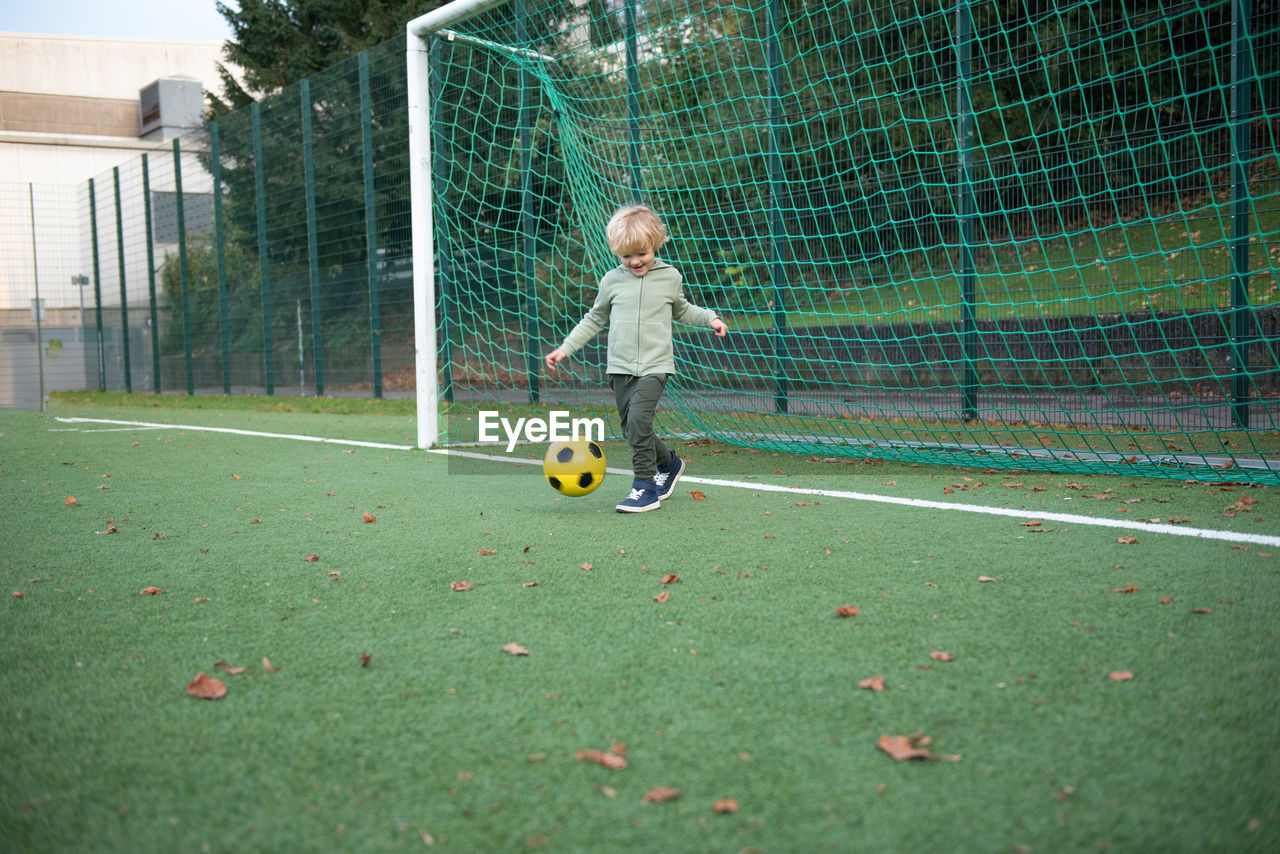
pixel 637 301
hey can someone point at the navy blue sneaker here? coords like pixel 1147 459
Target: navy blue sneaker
pixel 643 496
pixel 668 475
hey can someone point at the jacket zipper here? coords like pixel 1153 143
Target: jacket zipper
pixel 639 315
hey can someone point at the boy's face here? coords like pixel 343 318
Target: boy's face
pixel 638 263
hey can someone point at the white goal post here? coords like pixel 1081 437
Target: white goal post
pixel 420 32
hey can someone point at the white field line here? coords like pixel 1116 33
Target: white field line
pixel 922 503
pixel 107 429
pixel 234 431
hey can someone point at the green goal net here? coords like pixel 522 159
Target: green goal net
pixel 997 234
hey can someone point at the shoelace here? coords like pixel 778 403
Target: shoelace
pixel 635 495
pixel 661 478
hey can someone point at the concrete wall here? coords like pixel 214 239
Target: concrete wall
pixel 91 67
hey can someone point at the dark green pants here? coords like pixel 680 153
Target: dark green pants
pixel 637 399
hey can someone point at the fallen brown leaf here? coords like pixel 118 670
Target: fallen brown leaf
pixel 1199 610
pixel 1126 541
pixel 71 502
pixel 266 665
pixel 872 683
pixel 487 552
pixel 904 747
pixel 311 558
pixel 1031 524
pixel 207 688
pixel 600 757
pixel 670 578
pixel 698 495
pixel 1120 675
pixel 985 578
pixel 847 611
pixel 586 567
pixel 1128 588
pixel 231 671
pixel 530 584
pixel 661 794
pixel 369 517
pixel 515 649
pixel 1166 600
pixel 939 655
pixel 150 591
pixel 662 597
pixel 460 586
pixel 18 594
pixel 725 805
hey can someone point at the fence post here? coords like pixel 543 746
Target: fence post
pixel 1241 149
pixel 260 197
pixel 532 364
pixel 777 188
pixel 219 237
pixel 124 297
pixel 313 251
pixel 35 271
pixel 967 208
pixel 633 98
pixel 370 222
pixel 97 285
pixel 151 274
pixel 184 270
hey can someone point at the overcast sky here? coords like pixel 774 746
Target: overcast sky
pixel 178 20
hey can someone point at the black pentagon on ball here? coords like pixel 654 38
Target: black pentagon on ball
pixel 585 479
pixel 594 450
pixel 554 481
pixel 564 455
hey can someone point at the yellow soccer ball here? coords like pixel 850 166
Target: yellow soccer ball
pixel 574 468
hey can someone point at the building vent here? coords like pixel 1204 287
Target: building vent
pixel 170 107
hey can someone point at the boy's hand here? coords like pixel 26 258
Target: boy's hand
pixel 719 327
pixel 554 358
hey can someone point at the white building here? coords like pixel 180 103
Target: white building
pixel 73 108
pixel 69 105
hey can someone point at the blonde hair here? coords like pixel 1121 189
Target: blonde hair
pixel 633 230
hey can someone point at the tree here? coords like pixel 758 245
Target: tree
pixel 279 42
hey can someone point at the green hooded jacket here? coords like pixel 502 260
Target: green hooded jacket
pixel 638 311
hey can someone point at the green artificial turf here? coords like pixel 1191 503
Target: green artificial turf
pixel 743 685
